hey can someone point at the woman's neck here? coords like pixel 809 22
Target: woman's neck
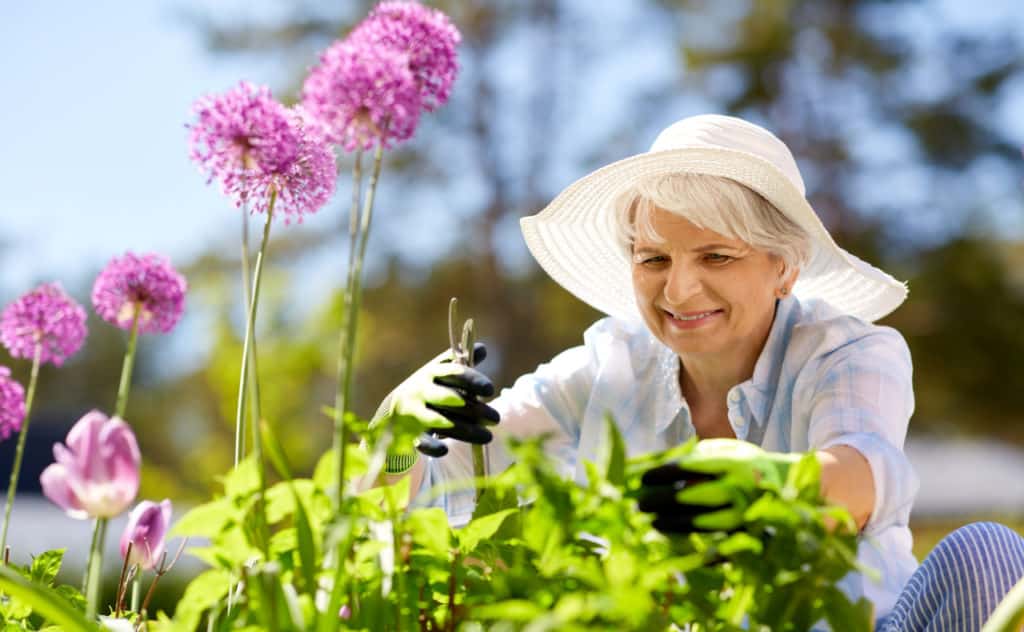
pixel 707 378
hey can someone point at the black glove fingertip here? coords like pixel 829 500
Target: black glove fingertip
pixel 479 353
pixel 431 446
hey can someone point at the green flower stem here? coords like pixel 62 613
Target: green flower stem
pixel 94 569
pixel 479 469
pixel 126 368
pixel 254 373
pixel 12 488
pixel 347 316
pixel 136 590
pixel 250 329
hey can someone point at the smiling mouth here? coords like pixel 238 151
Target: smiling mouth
pixel 691 319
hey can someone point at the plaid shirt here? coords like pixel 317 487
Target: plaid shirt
pixel 823 379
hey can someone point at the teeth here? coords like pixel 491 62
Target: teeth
pixel 696 317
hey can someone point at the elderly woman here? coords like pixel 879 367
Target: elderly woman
pixel 732 313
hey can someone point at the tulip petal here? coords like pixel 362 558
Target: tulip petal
pixel 84 440
pixel 54 481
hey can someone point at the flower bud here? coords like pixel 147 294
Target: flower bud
pixel 146 531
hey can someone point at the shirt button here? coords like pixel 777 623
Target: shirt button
pixel 734 396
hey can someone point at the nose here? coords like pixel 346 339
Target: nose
pixel 682 284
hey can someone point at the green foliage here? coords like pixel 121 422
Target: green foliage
pixel 540 552
pixel 33 600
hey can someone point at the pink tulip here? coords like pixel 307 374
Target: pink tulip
pixel 97 470
pixel 146 530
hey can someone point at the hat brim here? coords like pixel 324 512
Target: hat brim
pixel 574 237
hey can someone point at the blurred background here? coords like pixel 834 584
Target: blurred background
pixel 906 117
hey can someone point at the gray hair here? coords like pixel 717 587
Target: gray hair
pixel 713 203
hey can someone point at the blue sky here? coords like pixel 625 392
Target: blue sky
pixel 94 155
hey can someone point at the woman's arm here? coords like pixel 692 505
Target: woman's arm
pixel 846 480
pixel 860 404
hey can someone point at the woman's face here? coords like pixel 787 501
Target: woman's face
pixel 703 293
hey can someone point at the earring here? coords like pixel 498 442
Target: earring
pixel 783 291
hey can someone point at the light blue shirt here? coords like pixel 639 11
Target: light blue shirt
pixel 823 379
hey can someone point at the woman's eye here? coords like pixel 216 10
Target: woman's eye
pixel 714 257
pixel 653 259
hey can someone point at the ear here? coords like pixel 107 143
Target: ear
pixel 787 279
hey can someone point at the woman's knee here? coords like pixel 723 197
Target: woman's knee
pixel 981 560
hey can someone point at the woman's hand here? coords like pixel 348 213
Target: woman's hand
pixel 444 397
pixel 710 488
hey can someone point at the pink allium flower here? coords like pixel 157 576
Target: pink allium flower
pixel 426 35
pixel 149 282
pixel 96 474
pixel 146 530
pixel 254 146
pixel 45 315
pixel 12 404
pixel 364 95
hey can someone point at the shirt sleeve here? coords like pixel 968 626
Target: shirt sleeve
pixel 863 398
pixel 550 400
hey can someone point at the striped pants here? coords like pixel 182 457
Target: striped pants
pixel 961 581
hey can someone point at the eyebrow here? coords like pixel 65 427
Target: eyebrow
pixel 716 247
pixel 700 249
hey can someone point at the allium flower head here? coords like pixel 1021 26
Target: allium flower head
pixel 255 146
pixel 47 316
pixel 96 474
pixel 146 282
pixel 363 94
pixel 147 531
pixel 12 404
pixel 426 35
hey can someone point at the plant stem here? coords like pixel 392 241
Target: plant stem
pixel 479 470
pixel 452 584
pixel 254 373
pixel 137 590
pixel 344 361
pixel 126 367
pixel 94 569
pixel 250 329
pixel 122 581
pixel 12 488
pixel 250 326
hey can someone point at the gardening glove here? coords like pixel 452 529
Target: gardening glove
pixel 444 396
pixel 710 488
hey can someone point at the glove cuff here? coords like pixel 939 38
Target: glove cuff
pixel 400 463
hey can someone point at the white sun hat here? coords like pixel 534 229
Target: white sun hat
pixel 574 237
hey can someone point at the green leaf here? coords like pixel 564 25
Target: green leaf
pixel 206 520
pixel 772 510
pixel 805 475
pixel 1009 614
pixel 516 610
pixel 357 461
pixel 274 451
pixel 202 593
pixel 430 531
pixel 721 520
pixel 45 566
pixel 480 529
pixel 47 603
pixel 739 542
pixel 613 453
pixel 708 493
pixel 844 616
pixel 244 480
pixel 307 543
